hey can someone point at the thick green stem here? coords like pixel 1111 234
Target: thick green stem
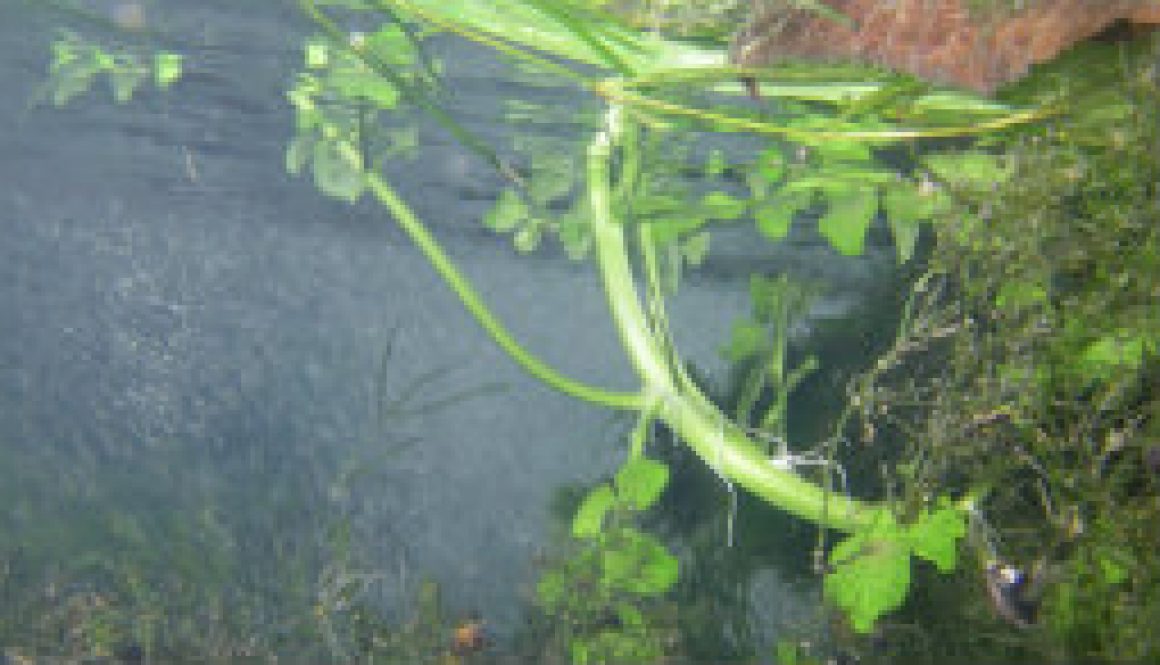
pixel 722 445
pixel 462 288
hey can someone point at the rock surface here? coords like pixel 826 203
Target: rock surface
pixel 945 41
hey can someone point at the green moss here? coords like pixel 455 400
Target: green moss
pixel 1039 383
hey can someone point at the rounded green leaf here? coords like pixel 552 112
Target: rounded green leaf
pixel 640 481
pixel 589 519
pixel 509 212
pixel 317 54
pixel 392 44
pixel 771 164
pixel 935 536
pixel 167 68
pixel 527 239
pixel 630 617
pixel 774 218
pixel 334 174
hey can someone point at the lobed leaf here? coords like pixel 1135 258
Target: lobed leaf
pixel 936 534
pixel 871 573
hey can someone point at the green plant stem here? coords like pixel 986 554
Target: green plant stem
pixel 721 444
pixel 474 304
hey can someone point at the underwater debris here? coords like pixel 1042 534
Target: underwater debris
pixel 946 41
pixel 470 636
pixel 1013 595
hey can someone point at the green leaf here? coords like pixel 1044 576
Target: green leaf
pixel 640 481
pixel 589 519
pixel 393 45
pixel 787 652
pixel 848 218
pixel 630 617
pixel 907 204
pixel 695 248
pixel 317 53
pixel 639 564
pixel 871 572
pixel 404 141
pixel 579 649
pixel 167 68
pixel 64 50
pixel 745 341
pixel 667 230
pixel 976 169
pixel 905 232
pixel 334 173
pixel 574 232
pixel 552 588
pixel 1020 295
pixel 527 238
pixel 771 164
pixel 775 214
pixel 563 30
pixel 719 205
pixel 125 80
pixel 509 212
pixel 936 534
pixel 73 79
pixel 1114 564
pixel 909 200
pixel 552 176
pixel 1122 350
pixel 298 152
pixel 843 151
pixel 360 85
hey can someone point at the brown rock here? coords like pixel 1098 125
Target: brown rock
pixel 938 40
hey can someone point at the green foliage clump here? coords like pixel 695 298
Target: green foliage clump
pixel 1040 388
pixel 339 103
pixel 77 63
pixel 606 597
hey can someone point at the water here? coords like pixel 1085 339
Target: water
pixel 194 353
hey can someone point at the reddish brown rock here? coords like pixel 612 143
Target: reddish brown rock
pixel 938 40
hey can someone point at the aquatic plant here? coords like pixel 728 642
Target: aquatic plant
pixel 822 134
pixel 838 125
pixel 1041 382
pixel 602 597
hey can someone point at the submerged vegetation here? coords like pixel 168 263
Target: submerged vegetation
pixel 1014 414
pixel 1041 384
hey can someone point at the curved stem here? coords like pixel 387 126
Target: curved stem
pixel 720 443
pixel 462 288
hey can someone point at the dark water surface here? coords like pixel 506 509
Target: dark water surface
pixel 185 326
